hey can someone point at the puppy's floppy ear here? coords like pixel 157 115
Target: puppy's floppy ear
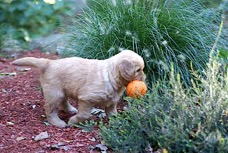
pixel 126 68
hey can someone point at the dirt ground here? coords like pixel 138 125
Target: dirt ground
pixel 22 115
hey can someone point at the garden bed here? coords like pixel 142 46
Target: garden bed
pixel 22 115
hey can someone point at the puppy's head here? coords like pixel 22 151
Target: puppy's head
pixel 131 66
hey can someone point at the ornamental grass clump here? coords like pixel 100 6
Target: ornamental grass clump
pixel 175 118
pixel 162 31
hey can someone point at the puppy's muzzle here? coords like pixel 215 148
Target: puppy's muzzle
pixel 141 77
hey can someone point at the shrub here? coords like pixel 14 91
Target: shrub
pixel 175 118
pixel 162 31
pixel 211 3
pixel 27 19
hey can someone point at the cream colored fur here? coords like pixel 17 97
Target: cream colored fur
pixel 90 82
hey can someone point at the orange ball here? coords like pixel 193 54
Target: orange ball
pixel 136 89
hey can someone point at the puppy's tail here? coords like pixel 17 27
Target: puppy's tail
pixel 32 61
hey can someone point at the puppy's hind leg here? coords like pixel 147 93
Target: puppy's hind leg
pixel 84 112
pixel 53 99
pixel 67 107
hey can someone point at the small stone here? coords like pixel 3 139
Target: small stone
pixel 54 147
pixel 20 138
pixel 10 123
pixel 41 136
pixel 92 139
pixel 4 91
pixel 33 106
pixel 65 148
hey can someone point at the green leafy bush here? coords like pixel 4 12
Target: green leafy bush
pixel 27 19
pixel 175 118
pixel 162 31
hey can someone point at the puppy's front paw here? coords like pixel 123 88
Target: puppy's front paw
pixel 80 117
pixel 111 110
pixel 61 124
pixel 72 110
pixel 57 122
pixel 72 121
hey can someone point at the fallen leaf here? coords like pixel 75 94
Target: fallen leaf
pixel 22 69
pixel 101 147
pixel 85 130
pixel 41 136
pixel 9 74
pixel 102 115
pixel 4 91
pixel 47 124
pixel 96 111
pixel 57 146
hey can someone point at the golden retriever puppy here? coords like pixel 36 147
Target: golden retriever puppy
pixel 90 82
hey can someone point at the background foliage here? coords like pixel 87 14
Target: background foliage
pixel 211 3
pixel 163 32
pixel 24 20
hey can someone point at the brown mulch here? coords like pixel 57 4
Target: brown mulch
pixel 22 115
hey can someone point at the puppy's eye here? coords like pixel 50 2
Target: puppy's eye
pixel 138 70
